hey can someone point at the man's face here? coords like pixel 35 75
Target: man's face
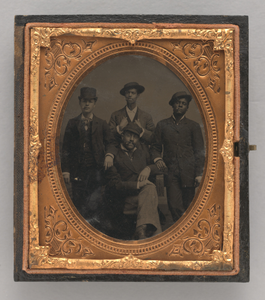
pixel 131 96
pixel 180 106
pixel 87 105
pixel 129 140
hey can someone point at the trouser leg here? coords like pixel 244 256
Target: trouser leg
pixel 146 207
pixel 93 194
pixel 187 196
pixel 174 198
pixel 87 192
pixel 79 195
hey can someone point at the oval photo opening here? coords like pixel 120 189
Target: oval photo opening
pixel 132 148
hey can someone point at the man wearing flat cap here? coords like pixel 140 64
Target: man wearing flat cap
pixel 88 148
pixel 128 188
pixel 183 154
pixel 131 113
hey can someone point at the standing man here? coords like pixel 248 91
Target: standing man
pixel 129 190
pixel 183 154
pixel 132 114
pixel 88 148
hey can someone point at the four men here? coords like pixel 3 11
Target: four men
pixel 117 156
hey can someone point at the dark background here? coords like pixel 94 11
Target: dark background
pixel 109 78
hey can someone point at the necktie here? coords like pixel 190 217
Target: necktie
pixel 86 122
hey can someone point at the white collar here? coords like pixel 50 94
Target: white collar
pixel 133 111
pixel 180 118
pixel 90 117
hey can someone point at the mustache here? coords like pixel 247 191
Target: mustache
pixel 129 142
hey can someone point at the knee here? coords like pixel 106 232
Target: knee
pixel 150 189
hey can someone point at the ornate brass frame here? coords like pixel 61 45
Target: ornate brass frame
pixel 36 257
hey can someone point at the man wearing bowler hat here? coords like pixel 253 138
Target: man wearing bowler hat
pixel 129 189
pixel 88 149
pixel 131 113
pixel 183 154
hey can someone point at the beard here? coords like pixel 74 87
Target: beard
pixel 129 145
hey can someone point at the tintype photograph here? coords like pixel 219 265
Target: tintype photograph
pixel 132 147
pixel 132 144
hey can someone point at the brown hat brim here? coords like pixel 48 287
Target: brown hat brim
pixel 139 89
pixel 133 131
pixel 88 98
pixel 174 99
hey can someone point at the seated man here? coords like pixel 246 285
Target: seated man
pixel 128 186
pixel 88 147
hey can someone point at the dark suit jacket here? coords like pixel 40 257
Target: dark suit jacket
pixel 183 148
pixel 122 177
pixel 145 120
pixel 102 142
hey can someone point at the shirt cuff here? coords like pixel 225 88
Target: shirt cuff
pixel 118 129
pixel 66 173
pixel 109 154
pixel 157 159
pixel 142 133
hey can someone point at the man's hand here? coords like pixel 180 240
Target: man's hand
pixel 144 175
pixel 108 162
pixel 142 183
pixel 137 122
pixel 161 165
pixel 123 123
pixel 198 180
pixel 66 177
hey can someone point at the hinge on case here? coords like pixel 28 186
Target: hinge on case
pixel 236 149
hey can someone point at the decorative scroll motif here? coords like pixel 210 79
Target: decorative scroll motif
pixel 58 58
pixel 39 256
pixel 223 40
pixel 227 151
pixel 129 262
pixel 206 237
pixel 59 237
pixel 37 253
pixel 34 146
pixel 205 61
pixel 227 254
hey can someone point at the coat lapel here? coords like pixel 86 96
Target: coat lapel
pixel 78 124
pixel 94 124
pixel 178 126
pixel 138 160
pixel 124 158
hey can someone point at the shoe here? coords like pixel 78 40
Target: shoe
pixel 140 233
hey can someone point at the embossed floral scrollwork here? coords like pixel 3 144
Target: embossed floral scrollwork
pixel 222 39
pixel 60 239
pixel 204 229
pixel 58 58
pixel 205 61
pixel 207 237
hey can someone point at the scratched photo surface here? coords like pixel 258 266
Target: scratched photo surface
pixel 132 162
